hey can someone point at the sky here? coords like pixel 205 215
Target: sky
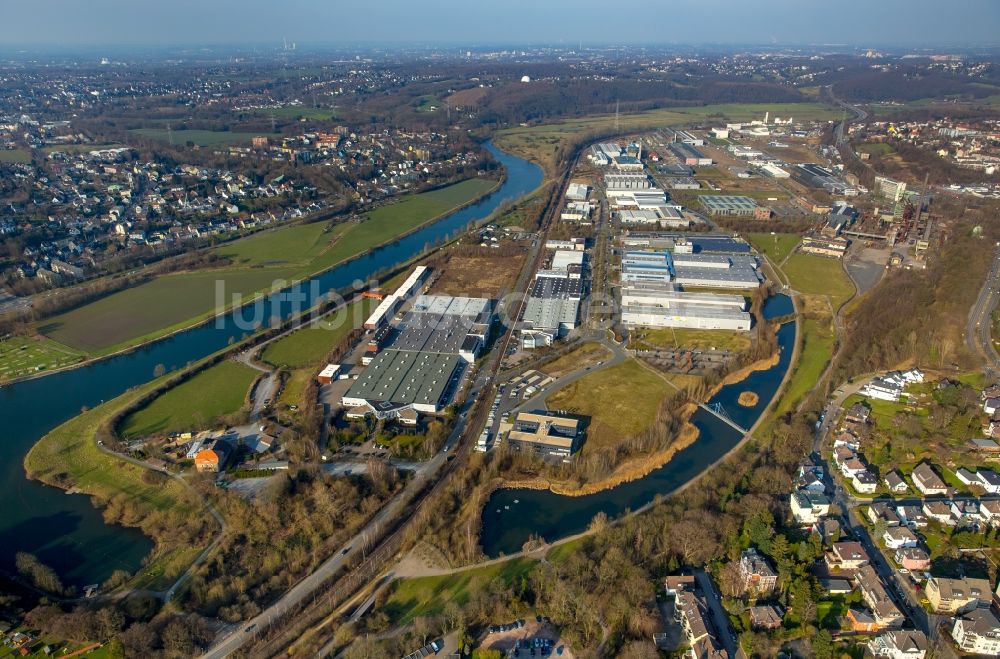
pixel 869 23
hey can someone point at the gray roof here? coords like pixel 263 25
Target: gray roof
pixel 404 377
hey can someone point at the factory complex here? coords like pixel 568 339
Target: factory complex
pixel 414 365
pixel 699 270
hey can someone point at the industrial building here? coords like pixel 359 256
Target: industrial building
pixel 645 306
pixel 892 190
pixel 423 357
pixel 621 183
pixel 387 307
pixel 577 192
pixel 822 246
pixel 728 204
pixel 684 268
pixel 812 175
pixel 683 183
pixel 689 155
pixel 400 379
pixel 545 434
pixel 577 211
pixel 553 305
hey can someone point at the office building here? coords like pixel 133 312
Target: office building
pixel 545 434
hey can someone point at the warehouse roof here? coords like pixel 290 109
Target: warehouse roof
pixel 404 377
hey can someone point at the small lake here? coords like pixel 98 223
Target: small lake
pixel 553 516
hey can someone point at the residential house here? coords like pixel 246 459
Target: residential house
pixel 765 617
pixel 989 480
pixel 927 480
pixel 913 558
pixel 857 413
pixel 212 457
pixel 864 482
pixel 691 611
pixel 881 512
pixel 912 516
pixel 991 405
pixel 966 513
pixel 876 597
pixel 899 644
pixel 828 529
pixel 757 575
pixel 846 556
pixel 899 536
pixel 862 621
pixel 977 632
pixel 811 478
pixel 989 510
pixel 894 483
pixel 953 596
pixel 939 511
pixel 966 476
pixel 808 507
pixel 847 440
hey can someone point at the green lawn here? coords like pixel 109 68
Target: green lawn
pixel 776 246
pixel 428 595
pixel 23 355
pixel 817 349
pixel 216 391
pixel 176 301
pixel 310 345
pixel 180 137
pixel 620 401
pixel 816 275
pixel 875 148
pixel 15 155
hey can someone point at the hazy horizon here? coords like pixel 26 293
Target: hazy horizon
pixel 63 24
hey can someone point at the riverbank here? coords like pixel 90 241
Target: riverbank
pixel 199 320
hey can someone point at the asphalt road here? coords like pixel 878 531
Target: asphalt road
pixel 978 330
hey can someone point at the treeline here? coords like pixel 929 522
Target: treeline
pixel 915 163
pixel 907 83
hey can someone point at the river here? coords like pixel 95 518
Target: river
pixel 65 531
pixel 511 516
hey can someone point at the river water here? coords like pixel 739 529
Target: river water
pixel 65 531
pixel 511 516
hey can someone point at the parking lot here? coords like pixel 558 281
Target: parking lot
pixel 531 637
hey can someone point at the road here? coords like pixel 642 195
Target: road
pixel 719 615
pixel 978 336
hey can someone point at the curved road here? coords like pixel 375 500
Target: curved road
pixel 978 336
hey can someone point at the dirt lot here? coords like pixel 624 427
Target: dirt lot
pixel 505 641
pixel 478 276
pixel 467 96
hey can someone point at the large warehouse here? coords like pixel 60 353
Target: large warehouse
pixel 728 204
pixel 647 307
pixel 701 270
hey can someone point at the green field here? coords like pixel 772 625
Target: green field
pixel 199 137
pixel 15 155
pixel 298 112
pixel 22 355
pixel 310 345
pixel 428 595
pixel 816 275
pixel 776 246
pixel 620 401
pixel 191 405
pixel 875 148
pixel 817 350
pixel 669 337
pixel 155 308
pixel 540 142
pixel 176 301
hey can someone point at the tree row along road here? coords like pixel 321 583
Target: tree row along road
pixel 978 331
